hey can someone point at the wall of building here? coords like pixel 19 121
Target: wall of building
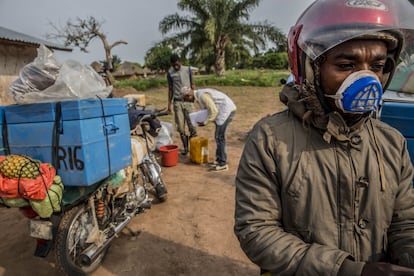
pixel 5 81
pixel 12 59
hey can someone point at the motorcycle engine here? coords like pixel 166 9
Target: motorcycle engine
pixel 137 198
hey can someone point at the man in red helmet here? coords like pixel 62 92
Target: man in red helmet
pixel 324 188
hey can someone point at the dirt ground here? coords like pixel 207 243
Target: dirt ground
pixel 189 234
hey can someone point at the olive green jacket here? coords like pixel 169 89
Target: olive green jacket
pixel 308 198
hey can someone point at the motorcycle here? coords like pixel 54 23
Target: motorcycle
pixel 81 232
pixel 144 129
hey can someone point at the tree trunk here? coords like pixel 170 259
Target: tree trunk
pixel 109 69
pixel 219 64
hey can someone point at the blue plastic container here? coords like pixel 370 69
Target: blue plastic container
pixel 400 115
pixel 86 140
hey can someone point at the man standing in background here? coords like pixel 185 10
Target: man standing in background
pixel 180 76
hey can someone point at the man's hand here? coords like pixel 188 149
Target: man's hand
pixel 378 269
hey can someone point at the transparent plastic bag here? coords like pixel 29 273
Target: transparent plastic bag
pixel 46 80
pixel 165 136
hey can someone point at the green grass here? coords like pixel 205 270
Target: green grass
pixel 142 84
pixel 260 78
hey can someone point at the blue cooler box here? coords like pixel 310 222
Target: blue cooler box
pixel 398 111
pixel 86 140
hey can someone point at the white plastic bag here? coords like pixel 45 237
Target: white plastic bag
pixel 45 80
pixel 165 136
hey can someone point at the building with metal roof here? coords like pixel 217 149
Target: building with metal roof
pixel 16 51
pixel 13 37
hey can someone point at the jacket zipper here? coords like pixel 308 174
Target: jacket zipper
pixel 355 246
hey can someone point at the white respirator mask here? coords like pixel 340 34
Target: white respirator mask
pixel 361 92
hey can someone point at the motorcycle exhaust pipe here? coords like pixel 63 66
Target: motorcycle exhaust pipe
pixel 90 254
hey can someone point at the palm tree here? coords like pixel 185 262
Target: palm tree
pixel 217 24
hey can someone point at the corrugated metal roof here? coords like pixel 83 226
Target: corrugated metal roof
pixel 7 34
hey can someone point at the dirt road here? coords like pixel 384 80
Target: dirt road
pixel 189 234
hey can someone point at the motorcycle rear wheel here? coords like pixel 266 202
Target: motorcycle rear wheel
pixel 70 241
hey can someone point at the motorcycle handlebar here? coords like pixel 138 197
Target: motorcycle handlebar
pixel 154 114
pixel 162 113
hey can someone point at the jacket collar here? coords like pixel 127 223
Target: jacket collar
pixel 330 125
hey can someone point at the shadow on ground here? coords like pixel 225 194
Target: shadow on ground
pixel 138 253
pixel 147 254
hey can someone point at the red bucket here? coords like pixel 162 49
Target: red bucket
pixel 169 155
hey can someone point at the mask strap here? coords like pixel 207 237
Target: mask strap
pixel 388 71
pixel 315 67
pixel 389 65
pixel 322 99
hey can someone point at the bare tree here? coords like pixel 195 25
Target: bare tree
pixel 81 32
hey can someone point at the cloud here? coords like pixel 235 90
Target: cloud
pixel 129 20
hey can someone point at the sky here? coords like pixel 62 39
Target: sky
pixel 134 21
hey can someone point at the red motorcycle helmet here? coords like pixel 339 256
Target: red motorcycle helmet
pixel 328 23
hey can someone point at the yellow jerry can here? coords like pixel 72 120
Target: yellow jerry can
pixel 199 150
